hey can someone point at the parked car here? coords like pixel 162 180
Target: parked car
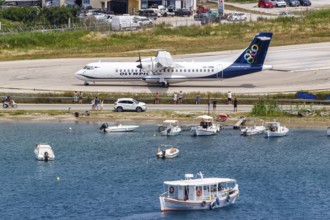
pixel 292 3
pixel 237 17
pixel 279 3
pixel 149 13
pixel 202 17
pixel 143 20
pixel 305 2
pixel 182 12
pixel 129 104
pixel 265 4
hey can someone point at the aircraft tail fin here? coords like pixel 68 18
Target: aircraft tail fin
pixel 255 54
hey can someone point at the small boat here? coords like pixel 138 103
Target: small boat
pixel 172 128
pixel 253 130
pixel 274 129
pixel 117 128
pixel 44 152
pixel 205 127
pixel 167 151
pixel 198 194
pixel 222 117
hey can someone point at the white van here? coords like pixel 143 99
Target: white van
pixel 124 22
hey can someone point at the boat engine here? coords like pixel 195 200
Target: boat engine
pixel 46 157
pixel 103 127
pixel 163 153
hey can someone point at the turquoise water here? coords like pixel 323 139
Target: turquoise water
pixel 117 175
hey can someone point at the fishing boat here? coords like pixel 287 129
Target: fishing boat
pixel 274 129
pixel 167 151
pixel 44 152
pixel 205 127
pixel 172 128
pixel 117 128
pixel 198 194
pixel 253 130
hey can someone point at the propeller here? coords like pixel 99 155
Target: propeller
pixel 139 60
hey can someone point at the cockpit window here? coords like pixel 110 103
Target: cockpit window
pixel 88 68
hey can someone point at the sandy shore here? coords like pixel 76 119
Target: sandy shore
pixel 159 116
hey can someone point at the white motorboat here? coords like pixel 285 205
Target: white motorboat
pixel 205 127
pixel 198 194
pixel 117 128
pixel 44 152
pixel 274 129
pixel 167 151
pixel 172 128
pixel 253 130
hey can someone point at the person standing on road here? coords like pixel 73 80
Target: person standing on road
pixel 157 97
pixel 229 97
pixel 80 98
pixel 214 105
pixel 180 97
pixel 175 98
pixel 198 100
pixel 235 104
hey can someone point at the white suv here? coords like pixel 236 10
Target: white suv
pixel 129 104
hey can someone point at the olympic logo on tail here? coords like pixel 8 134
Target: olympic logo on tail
pixel 251 54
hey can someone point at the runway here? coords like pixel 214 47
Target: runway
pixel 296 67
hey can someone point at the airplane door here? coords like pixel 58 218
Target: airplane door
pixel 220 72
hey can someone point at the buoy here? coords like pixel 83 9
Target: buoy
pixel 58 178
pixel 154 135
pixel 70 128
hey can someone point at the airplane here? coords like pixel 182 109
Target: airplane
pixel 162 70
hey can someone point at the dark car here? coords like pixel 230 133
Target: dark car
pixel 292 3
pixel 305 2
pixel 182 12
pixel 202 17
pixel 148 13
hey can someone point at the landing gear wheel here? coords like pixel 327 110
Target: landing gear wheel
pixel 165 85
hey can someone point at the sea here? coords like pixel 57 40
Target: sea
pixel 99 175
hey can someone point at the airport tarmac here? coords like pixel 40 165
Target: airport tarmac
pixel 296 67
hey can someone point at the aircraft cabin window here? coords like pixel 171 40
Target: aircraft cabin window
pixel 116 71
pixel 196 70
pixel 204 70
pixel 180 70
pixel 201 70
pixel 208 70
pixel 184 70
pixel 192 70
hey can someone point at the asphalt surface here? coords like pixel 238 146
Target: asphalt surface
pixel 171 107
pixel 298 67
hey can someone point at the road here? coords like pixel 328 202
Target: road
pixel 298 67
pixel 170 107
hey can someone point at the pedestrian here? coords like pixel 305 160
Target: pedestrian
pixel 214 105
pixel 198 100
pixel 100 107
pixel 157 97
pixel 235 104
pixel 80 97
pixel 75 98
pixel 229 97
pixel 180 97
pixel 175 98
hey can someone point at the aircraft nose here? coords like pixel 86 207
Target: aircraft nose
pixel 78 74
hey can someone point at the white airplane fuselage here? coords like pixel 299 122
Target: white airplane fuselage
pixel 126 71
